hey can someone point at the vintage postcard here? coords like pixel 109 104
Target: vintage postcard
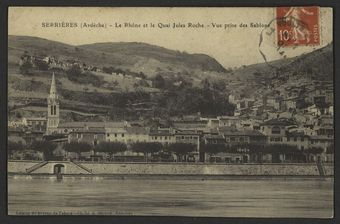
pixel 198 112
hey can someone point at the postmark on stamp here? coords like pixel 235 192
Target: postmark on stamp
pixel 297 26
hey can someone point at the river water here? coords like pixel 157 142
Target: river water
pixel 311 198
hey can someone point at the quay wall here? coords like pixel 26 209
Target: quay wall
pixel 329 169
pixel 296 169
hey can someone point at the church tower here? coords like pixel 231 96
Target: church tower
pixel 52 108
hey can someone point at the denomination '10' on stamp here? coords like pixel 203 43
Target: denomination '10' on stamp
pixel 298 26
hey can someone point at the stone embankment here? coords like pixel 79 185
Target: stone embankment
pixel 93 168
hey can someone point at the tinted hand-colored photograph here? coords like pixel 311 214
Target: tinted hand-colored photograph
pixel 186 112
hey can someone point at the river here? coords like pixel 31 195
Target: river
pixel 311 198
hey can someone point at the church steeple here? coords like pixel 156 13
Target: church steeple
pixel 53 90
pixel 52 108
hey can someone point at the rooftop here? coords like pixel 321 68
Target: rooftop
pixel 279 122
pixel 243 132
pixel 138 130
pixel 92 124
pixel 90 130
pixel 213 137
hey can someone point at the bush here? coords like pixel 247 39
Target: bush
pixel 41 65
pixel 25 68
pixel 75 74
pixel 45 147
pixel 14 146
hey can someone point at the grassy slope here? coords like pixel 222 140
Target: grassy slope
pixel 149 59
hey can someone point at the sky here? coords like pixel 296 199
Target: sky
pixel 230 46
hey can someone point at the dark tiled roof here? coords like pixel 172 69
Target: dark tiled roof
pixel 189 132
pixel 138 130
pixel 213 137
pixel 279 122
pixel 245 132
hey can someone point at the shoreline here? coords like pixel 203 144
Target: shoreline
pixel 166 177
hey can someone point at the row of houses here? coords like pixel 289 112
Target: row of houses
pixel 289 98
pixel 208 130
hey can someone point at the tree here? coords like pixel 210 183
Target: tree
pixel 78 147
pixel 111 147
pixel 213 149
pixel 282 149
pixel 25 67
pixel 181 149
pixel 13 147
pixel 312 151
pixel 41 65
pixel 159 82
pixel 73 72
pixel 330 149
pixel 45 147
pixel 258 149
pixel 146 148
pixel 141 75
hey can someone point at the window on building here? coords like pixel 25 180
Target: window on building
pixel 232 139
pixel 115 134
pixel 295 139
pixel 302 139
pixel 123 135
pixel 166 138
pixel 108 134
pixel 278 139
pixel 182 137
pixel 288 139
pixel 156 138
pixel 160 138
pixel 241 139
pixel 276 130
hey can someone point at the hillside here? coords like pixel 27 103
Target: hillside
pixel 316 64
pixel 97 88
pixel 313 66
pixel 114 96
pixel 136 57
pixel 150 59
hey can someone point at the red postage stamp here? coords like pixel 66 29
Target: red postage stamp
pixel 298 26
